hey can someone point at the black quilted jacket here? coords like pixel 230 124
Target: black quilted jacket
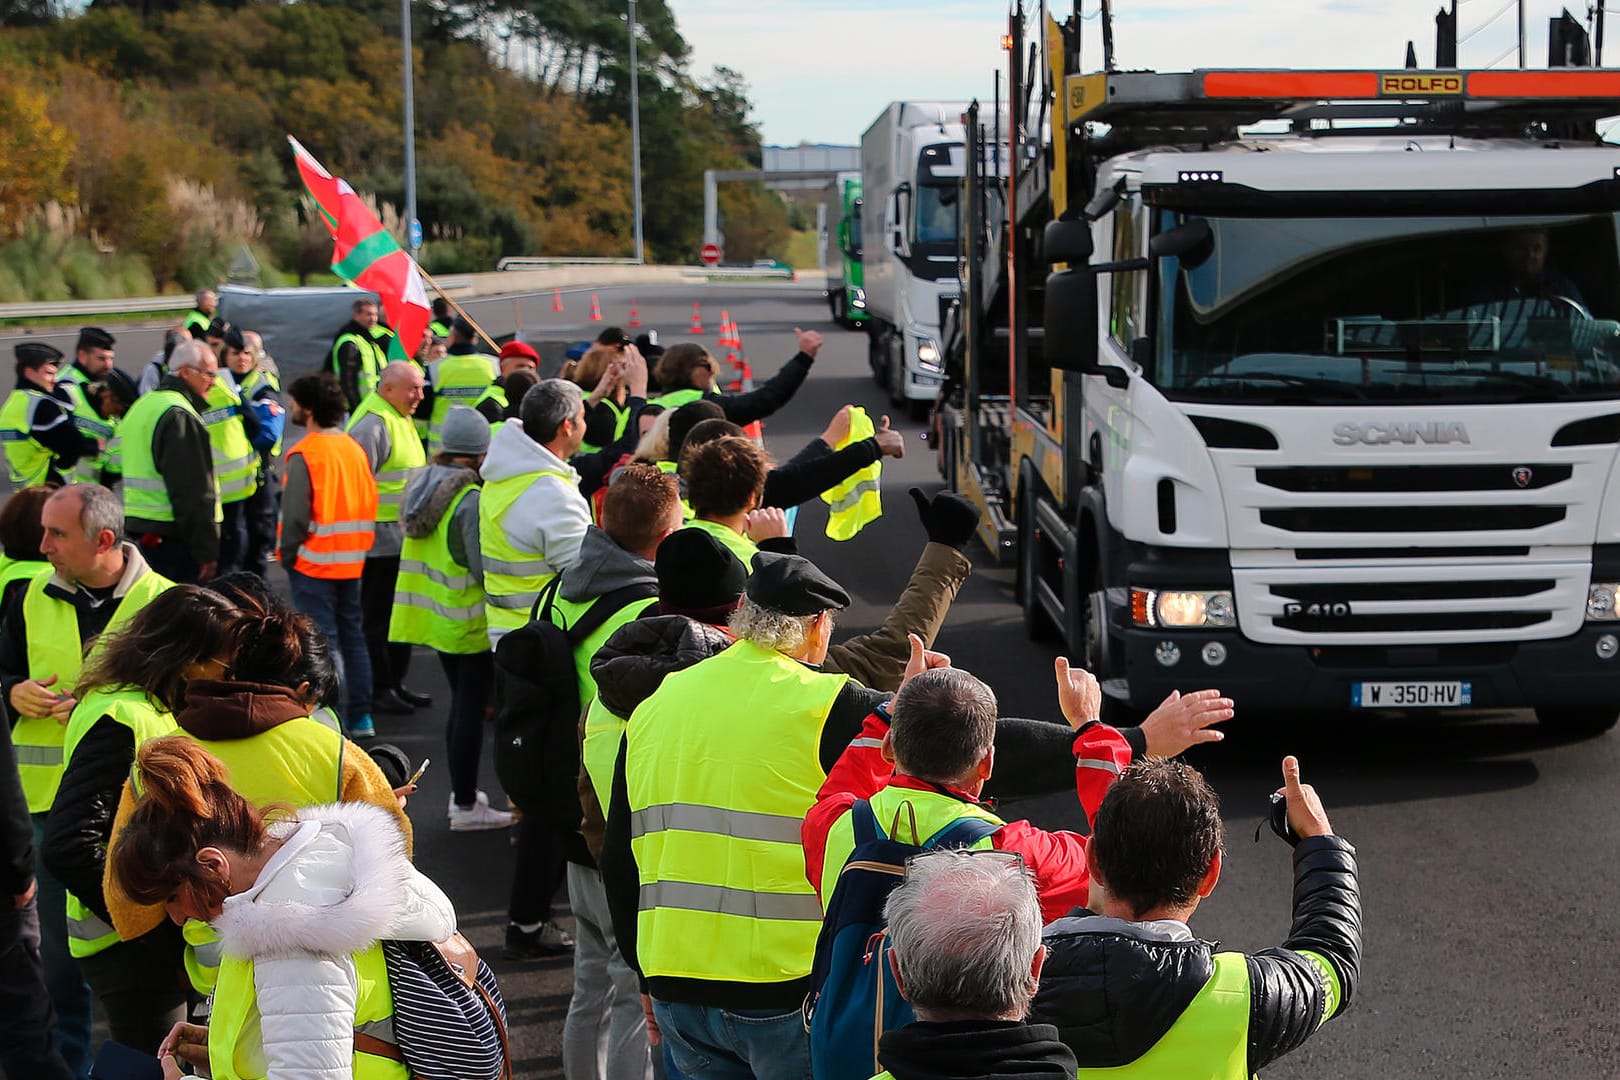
pixel 1113 988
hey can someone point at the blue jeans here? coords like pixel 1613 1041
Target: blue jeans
pixel 710 1043
pixel 70 994
pixel 334 606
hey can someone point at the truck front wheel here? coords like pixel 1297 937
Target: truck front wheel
pixel 1578 723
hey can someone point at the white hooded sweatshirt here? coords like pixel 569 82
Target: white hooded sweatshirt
pixel 340 882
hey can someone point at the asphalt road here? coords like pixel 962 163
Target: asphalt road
pixel 1488 851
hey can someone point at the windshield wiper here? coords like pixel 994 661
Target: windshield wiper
pixel 1343 391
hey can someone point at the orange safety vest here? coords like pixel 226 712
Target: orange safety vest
pixel 344 504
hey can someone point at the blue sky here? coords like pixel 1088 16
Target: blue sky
pixel 821 69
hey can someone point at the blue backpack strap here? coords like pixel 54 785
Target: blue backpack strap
pixel 865 823
pixel 963 832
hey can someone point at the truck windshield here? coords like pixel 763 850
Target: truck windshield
pixel 1315 310
pixel 937 215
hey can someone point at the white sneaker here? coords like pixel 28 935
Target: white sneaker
pixel 477 817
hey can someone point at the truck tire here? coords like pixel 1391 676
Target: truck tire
pixel 1578 723
pixel 876 357
pixel 837 301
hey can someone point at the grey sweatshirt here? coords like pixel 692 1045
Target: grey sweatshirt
pixel 372 435
pixel 603 566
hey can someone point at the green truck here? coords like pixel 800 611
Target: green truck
pixel 846 295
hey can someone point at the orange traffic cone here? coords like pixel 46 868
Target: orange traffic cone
pixel 697 321
pixel 596 309
pixel 725 328
pixel 556 300
pixel 635 317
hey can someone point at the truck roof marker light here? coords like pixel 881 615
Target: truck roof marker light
pixel 1200 176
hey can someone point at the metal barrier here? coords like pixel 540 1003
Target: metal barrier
pixel 95 307
pixel 540 262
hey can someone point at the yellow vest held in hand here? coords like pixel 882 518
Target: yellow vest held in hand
pixel 856 502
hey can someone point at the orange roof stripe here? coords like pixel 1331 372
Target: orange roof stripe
pixel 1318 85
pixel 1546 84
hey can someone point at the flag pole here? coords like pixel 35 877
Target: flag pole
pixel 427 277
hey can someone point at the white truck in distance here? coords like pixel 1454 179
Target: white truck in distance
pixel 911 172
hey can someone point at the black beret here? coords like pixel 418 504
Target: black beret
pixel 37 353
pixel 218 328
pixel 122 387
pixel 233 338
pixel 793 585
pixel 696 572
pixel 94 337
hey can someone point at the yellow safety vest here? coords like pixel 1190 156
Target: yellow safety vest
pixel 404 454
pixel 909 815
pixel 462 379
pixel 373 358
pixel 599 753
pixel 297 763
pixel 146 495
pixel 18 569
pixel 1210 1040
pixel 566 613
pixel 437 601
pixel 198 322
pixel 54 648
pixel 91 424
pixel 235 1047
pixel 513 576
pixel 858 501
pixel 722 762
pixel 29 462
pixel 621 424
pixel 88 933
pixel 735 542
pixel 236 463
pixel 676 398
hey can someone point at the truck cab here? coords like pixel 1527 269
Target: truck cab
pixel 1324 413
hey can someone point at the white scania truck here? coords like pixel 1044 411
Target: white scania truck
pixel 1321 404
pixel 911 176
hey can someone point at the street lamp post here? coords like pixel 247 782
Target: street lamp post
pixel 413 228
pixel 635 133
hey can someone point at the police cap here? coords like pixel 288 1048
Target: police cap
pixel 793 585
pixel 37 354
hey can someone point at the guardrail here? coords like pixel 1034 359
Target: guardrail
pixel 95 307
pixel 738 272
pixel 540 262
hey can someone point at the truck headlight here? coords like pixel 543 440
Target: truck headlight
pixel 1182 609
pixel 928 355
pixel 857 298
pixel 1600 602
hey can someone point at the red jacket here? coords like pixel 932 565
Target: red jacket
pixel 1057 859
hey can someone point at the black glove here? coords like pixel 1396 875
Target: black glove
pixel 948 518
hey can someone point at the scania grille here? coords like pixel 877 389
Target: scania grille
pixel 1410 519
pixel 1397 478
pixel 1391 604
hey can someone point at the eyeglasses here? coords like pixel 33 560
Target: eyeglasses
pixel 1009 860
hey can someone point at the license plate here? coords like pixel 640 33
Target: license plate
pixel 1411 695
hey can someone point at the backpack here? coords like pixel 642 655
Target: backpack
pixel 853 999
pixel 537 705
pixel 449 1017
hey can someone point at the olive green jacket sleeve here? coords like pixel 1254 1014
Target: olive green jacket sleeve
pixel 878 659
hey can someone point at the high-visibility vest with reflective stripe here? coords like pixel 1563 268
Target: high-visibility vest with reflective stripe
pixel 1210 1039
pixel 54 648
pixel 28 462
pixel 297 763
pixel 735 542
pixel 146 495
pixel 88 933
pixel 566 613
pixel 621 424
pixel 250 384
pixel 235 1047
pixel 857 501
pixel 89 423
pixel 236 463
pixel 463 379
pixel 372 360
pixel 437 601
pixel 676 398
pixel 908 815
pixel 513 576
pixel 599 753
pixel 343 505
pixel 404 454
pixel 722 762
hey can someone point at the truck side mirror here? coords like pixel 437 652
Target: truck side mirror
pixel 1070 342
pixel 1192 242
pixel 900 212
pixel 1067 241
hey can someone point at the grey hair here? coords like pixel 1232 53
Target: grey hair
pixel 547 404
pixel 771 629
pixel 188 354
pixel 99 509
pixel 198 298
pixel 965 930
pixel 944 724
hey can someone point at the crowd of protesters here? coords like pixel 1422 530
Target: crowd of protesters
pixel 208 616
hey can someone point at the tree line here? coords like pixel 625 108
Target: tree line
pixel 143 142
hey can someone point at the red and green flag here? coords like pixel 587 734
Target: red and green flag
pixel 365 254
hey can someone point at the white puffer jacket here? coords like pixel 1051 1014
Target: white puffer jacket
pixel 340 882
